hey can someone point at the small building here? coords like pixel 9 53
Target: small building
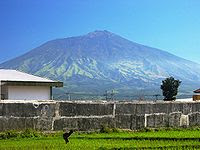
pixel 196 96
pixel 16 85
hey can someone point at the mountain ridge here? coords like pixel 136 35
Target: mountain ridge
pixel 105 59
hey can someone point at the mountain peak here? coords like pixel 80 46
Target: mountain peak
pixel 98 33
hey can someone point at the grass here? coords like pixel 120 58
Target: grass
pixel 118 140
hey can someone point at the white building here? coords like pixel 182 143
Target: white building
pixel 16 85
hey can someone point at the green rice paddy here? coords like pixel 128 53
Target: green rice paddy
pixel 162 139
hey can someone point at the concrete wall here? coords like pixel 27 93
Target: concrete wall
pixel 29 92
pixel 52 115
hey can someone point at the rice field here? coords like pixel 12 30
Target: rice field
pixel 163 139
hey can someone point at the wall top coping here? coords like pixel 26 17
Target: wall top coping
pixel 96 102
pixel 124 102
pixel 28 101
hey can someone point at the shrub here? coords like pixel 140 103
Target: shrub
pixel 106 129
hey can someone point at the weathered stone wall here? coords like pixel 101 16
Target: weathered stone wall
pixel 21 115
pixel 59 115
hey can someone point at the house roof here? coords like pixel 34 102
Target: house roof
pixel 197 91
pixel 14 77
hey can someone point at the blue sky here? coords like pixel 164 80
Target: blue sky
pixel 171 25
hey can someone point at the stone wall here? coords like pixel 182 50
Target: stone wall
pixel 59 115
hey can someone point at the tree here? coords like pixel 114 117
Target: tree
pixel 169 88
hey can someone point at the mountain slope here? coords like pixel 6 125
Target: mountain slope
pixel 101 60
